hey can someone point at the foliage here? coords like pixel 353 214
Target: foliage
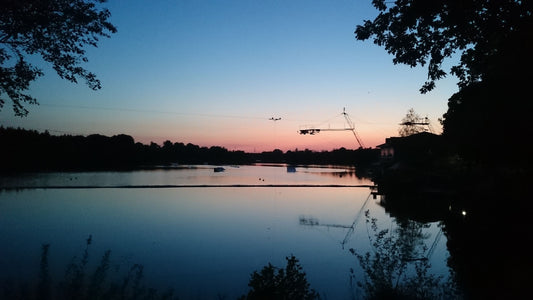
pixel 490 44
pixel 30 150
pixel 79 284
pixel 55 30
pixel 411 124
pixel 485 33
pixel 397 268
pixel 487 122
pixel 287 284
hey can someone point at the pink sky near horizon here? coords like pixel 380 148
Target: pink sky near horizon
pixel 283 141
pixel 262 134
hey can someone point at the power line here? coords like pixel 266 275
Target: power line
pixel 194 114
pixel 151 111
pixel 191 114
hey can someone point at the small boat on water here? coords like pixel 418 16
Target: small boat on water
pixel 291 169
pixel 219 169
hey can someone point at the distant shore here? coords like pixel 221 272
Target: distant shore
pixel 29 150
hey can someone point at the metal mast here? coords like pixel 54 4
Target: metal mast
pixel 351 127
pixel 424 122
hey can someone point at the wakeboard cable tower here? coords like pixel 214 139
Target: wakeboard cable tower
pixel 351 127
pixel 421 122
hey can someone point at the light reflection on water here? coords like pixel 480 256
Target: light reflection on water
pixel 191 175
pixel 200 241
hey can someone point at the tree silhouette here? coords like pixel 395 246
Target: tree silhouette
pixel 100 152
pixel 493 41
pixel 287 284
pixel 57 31
pixel 427 32
pixel 411 124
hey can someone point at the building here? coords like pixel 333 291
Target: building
pixel 413 148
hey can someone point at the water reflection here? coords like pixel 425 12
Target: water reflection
pixel 313 221
pixel 251 175
pixel 201 241
pixel 188 239
pixel 481 221
pixel 486 236
pixel 398 261
pixel 419 206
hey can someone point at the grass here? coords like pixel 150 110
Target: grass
pixel 80 283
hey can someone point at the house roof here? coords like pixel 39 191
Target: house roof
pixel 414 140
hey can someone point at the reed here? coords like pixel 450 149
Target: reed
pixel 80 283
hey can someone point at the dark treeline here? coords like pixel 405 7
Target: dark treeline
pixel 29 150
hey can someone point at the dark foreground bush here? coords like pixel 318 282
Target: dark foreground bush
pixel 287 284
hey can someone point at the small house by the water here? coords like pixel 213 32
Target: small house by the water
pixel 412 148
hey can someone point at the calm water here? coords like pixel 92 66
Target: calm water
pixel 202 241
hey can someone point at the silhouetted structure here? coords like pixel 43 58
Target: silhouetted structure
pixel 414 149
pixel 482 205
pixel 349 127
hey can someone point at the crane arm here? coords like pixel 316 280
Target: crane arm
pixel 351 127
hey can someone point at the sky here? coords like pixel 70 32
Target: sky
pixel 213 73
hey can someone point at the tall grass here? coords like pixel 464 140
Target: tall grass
pixel 79 283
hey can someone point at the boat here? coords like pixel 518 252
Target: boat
pixel 219 169
pixel 291 169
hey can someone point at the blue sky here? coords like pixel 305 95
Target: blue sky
pixel 214 72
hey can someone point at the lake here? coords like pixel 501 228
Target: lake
pixel 197 231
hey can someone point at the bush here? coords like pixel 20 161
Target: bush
pixel 288 284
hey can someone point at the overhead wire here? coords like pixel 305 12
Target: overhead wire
pixel 137 110
pixel 328 120
pixel 151 111
pixel 192 114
